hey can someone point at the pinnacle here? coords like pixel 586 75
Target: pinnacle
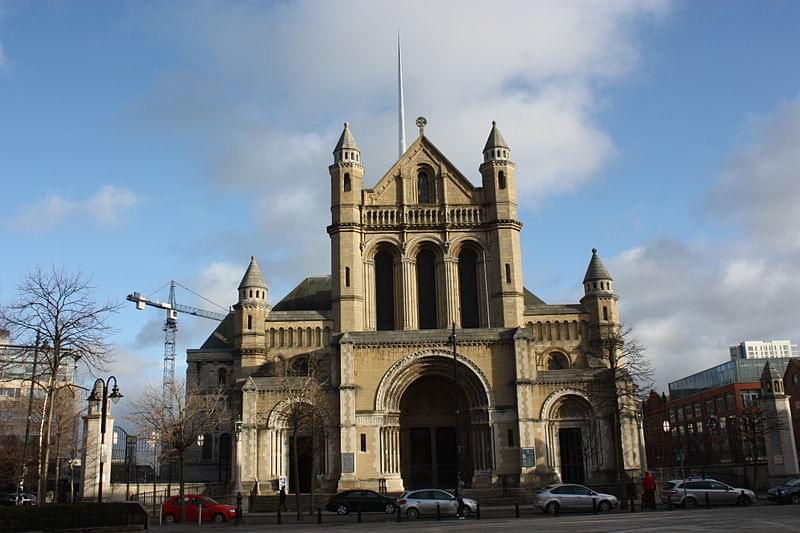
pixel 346 140
pixel 597 270
pixel 495 139
pixel 253 277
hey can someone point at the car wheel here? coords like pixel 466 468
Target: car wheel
pixel 551 508
pixel 389 509
pixel 219 518
pixel 412 514
pixel 169 518
pixel 743 500
pixel 690 503
pixel 342 509
pixel 604 507
pixel 795 498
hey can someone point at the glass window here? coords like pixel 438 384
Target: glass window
pixel 709 407
pixel 730 401
pixel 719 404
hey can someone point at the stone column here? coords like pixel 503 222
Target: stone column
pixel 451 290
pixel 409 295
pixel 93 451
pixel 348 478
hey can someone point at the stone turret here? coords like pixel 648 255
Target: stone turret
pixel 250 317
pixel 777 421
pixel 599 297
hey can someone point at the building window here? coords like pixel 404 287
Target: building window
pixel 468 288
pixel 510 438
pixel 384 290
pixel 251 293
pixel 605 313
pixel 423 188
pixel 426 290
pixel 363 442
pixel 501 180
pixel 208 446
pixel 222 377
pixel 709 407
pixel 346 183
pixel 508 273
pixel 300 366
pixel 719 403
pixel 557 361
pixel 346 276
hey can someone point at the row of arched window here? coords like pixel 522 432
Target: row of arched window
pixel 298 337
pixel 558 330
pixel 428 279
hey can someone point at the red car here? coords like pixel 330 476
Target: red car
pixel 211 510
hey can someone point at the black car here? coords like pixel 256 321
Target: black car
pixel 789 492
pixel 350 501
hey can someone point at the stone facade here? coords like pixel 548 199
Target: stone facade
pixel 421 252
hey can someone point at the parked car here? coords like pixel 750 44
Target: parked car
pixel 415 503
pixel 212 511
pixel 789 492
pixel 368 501
pixel 26 498
pixel 570 497
pixel 692 492
pixel 8 500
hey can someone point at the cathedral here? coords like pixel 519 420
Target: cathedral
pixel 417 259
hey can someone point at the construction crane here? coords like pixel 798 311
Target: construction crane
pixel 171 329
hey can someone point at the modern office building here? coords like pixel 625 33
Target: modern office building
pixel 760 349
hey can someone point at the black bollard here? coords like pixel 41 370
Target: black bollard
pixel 359 514
pixel 516 509
pixel 238 508
pixel 399 516
pixel 477 511
pixel 669 503
pixel 319 515
pixel 708 502
pixel 594 505
pixel 633 506
pixel 438 512
pixel 279 516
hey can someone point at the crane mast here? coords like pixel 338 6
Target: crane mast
pixel 170 329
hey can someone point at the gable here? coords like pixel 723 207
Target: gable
pixel 445 177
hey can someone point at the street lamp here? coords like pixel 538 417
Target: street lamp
pixel 456 412
pixel 115 397
pixel 153 440
pixel 200 439
pixel 237 430
pixel 667 428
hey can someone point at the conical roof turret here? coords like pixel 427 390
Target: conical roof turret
pixel 346 140
pixel 597 270
pixel 770 373
pixel 495 139
pixel 252 277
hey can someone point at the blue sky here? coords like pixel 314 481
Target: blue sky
pixel 143 141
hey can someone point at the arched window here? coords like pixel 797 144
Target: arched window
pixel 468 288
pixel 423 188
pixel 249 321
pixel 384 290
pixel 251 293
pixel 501 180
pixel 346 276
pixel 508 273
pixel 426 290
pixel 346 183
pixel 557 361
pixel 605 313
pixel 222 377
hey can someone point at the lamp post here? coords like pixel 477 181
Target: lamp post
pixel 153 440
pixel 456 411
pixel 115 396
pixel 237 430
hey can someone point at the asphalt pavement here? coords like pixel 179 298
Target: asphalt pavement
pixel 762 517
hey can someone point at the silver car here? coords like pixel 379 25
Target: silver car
pixel 692 492
pixel 416 503
pixel 571 497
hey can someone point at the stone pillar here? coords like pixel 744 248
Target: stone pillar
pixel 93 451
pixel 348 478
pixel 526 374
pixel 780 444
pixel 409 295
pixel 369 294
pixel 451 291
pixel 390 456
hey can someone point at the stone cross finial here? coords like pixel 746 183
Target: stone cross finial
pixel 421 123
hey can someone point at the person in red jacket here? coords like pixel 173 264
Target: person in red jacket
pixel 649 488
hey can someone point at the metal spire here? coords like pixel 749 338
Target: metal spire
pixel 401 131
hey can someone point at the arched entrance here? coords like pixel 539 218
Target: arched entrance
pixel 419 391
pixel 573 446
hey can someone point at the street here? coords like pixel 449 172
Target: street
pixel 766 517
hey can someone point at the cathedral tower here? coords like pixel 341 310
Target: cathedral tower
pixel 599 297
pixel 250 314
pixel 347 180
pixel 500 191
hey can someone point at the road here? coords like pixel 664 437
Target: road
pixel 772 518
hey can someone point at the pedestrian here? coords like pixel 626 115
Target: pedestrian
pixel 282 499
pixel 460 500
pixel 649 495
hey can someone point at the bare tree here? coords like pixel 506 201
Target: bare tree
pixel 57 307
pixel 305 407
pixel 624 374
pixel 192 412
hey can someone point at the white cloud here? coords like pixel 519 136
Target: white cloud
pixel 108 208
pixel 690 300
